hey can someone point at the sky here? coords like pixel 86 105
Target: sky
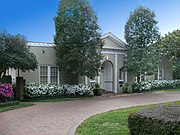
pixel 35 18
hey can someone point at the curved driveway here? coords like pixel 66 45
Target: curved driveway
pixel 62 118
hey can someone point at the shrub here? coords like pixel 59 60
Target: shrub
pixel 155 84
pixel 40 90
pixel 127 88
pixel 160 120
pixel 97 90
pixel 6 92
pixel 6 79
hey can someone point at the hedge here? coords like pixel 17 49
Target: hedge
pixel 51 90
pixel 160 120
pixel 155 84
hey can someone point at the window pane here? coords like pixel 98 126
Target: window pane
pixel 43 74
pixel 54 75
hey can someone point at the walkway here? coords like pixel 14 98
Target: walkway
pixel 62 118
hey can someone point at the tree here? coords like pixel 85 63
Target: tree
pixel 169 46
pixel 15 53
pixel 141 32
pixel 77 39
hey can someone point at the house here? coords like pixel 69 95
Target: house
pixel 112 73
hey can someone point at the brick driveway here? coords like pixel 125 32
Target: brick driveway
pixel 62 118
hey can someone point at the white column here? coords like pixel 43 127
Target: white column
pixel 85 79
pixel 98 78
pixel 158 74
pixel 58 76
pixel 125 76
pixel 49 74
pixel 115 74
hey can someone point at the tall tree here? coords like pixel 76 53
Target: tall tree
pixel 77 39
pixel 169 46
pixel 141 32
pixel 15 53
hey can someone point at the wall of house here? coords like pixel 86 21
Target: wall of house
pixel 45 55
pixel 167 67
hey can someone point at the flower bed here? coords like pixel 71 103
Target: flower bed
pixel 40 90
pixel 6 92
pixel 156 84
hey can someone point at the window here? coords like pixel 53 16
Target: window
pixel 49 74
pixel 54 75
pixel 159 74
pixel 121 73
pixel 43 74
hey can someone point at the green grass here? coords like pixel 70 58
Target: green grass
pixel 57 99
pixel 15 106
pixel 109 123
pixel 169 90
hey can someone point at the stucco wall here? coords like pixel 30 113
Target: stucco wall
pixel 167 66
pixel 45 56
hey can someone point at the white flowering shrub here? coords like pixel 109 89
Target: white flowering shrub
pixel 156 84
pixel 38 90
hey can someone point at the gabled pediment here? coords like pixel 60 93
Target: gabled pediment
pixel 113 42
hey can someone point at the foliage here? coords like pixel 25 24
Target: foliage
pixel 6 92
pixel 77 39
pixel 97 90
pixel 155 84
pixel 141 32
pixel 163 120
pixel 110 123
pixel 15 53
pixel 169 47
pixel 14 106
pixel 40 90
pixel 6 79
pixel 127 88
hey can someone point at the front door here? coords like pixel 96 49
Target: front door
pixel 107 76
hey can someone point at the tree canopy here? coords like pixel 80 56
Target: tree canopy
pixel 15 53
pixel 141 32
pixel 77 39
pixel 169 47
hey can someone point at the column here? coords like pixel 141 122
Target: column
pixel 49 74
pixel 115 74
pixel 125 76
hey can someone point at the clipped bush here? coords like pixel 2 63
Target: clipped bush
pixel 6 92
pixel 159 120
pixel 97 90
pixel 127 88
pixel 41 90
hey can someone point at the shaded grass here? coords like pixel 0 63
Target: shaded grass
pixel 60 99
pixel 167 90
pixel 14 106
pixel 110 123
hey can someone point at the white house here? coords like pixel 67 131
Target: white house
pixel 112 68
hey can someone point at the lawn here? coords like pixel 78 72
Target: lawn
pixel 57 99
pixel 109 123
pixel 14 106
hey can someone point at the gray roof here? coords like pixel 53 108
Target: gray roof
pixel 31 43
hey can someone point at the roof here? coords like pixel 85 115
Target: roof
pixel 108 35
pixel 114 38
pixel 32 43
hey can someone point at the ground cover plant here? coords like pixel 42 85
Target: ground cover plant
pixel 14 106
pixel 110 123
